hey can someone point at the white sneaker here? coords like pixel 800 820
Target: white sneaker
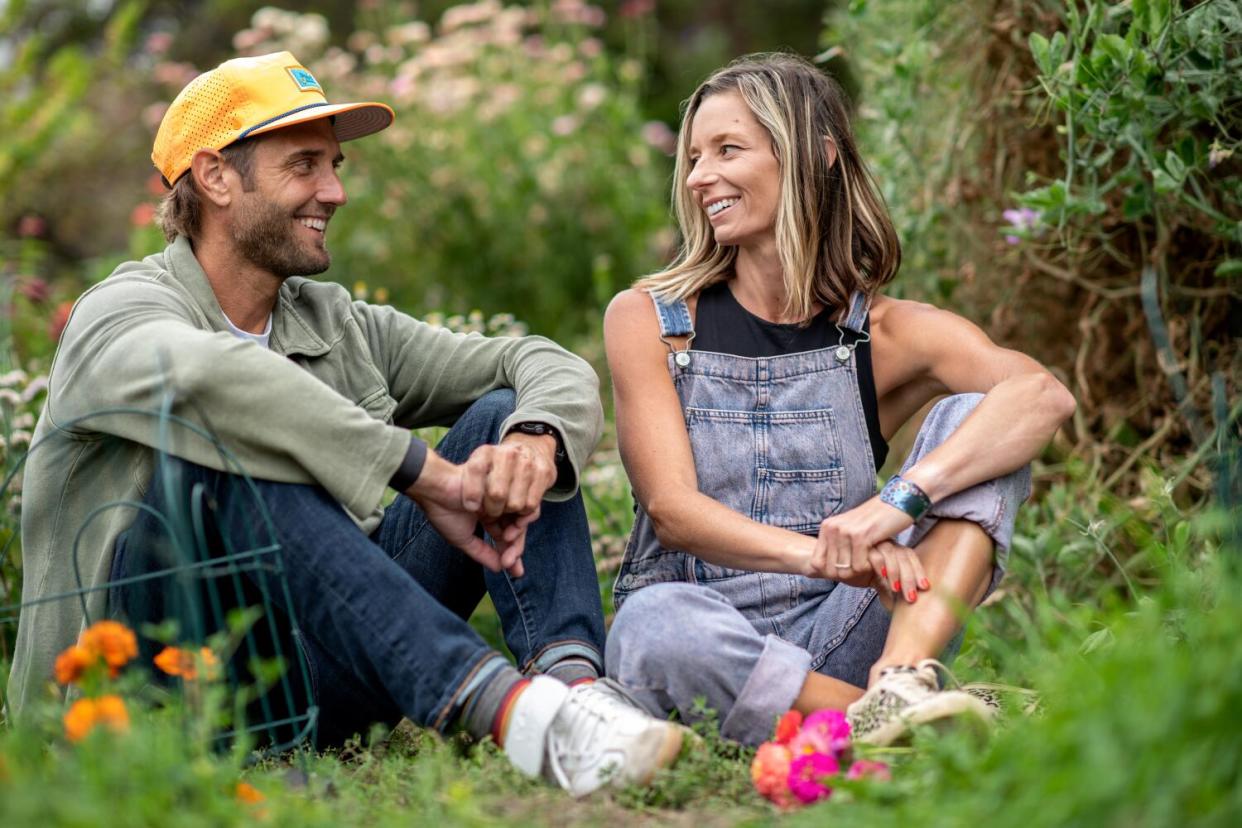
pixel 906 696
pixel 587 736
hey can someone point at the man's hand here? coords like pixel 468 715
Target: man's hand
pixel 510 478
pixel 438 492
pixel 500 487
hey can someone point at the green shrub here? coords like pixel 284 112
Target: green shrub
pixel 515 177
pixel 1066 175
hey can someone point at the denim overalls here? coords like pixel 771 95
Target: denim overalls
pixel 784 441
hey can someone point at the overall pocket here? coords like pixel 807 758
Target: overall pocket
pixel 782 468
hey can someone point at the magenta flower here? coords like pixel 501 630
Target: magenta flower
pixel 824 731
pixel 807 774
pixel 867 769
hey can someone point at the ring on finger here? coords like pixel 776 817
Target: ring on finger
pixel 843 566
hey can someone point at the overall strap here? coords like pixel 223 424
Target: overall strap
pixel 859 304
pixel 674 320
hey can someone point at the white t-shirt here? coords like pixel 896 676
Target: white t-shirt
pixel 261 338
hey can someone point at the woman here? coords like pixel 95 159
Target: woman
pixel 757 380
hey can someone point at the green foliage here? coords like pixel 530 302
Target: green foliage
pixel 915 120
pixel 1149 100
pixel 515 176
pixel 1137 726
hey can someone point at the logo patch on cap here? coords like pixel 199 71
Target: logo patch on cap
pixel 304 79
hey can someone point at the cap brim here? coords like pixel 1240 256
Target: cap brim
pixel 353 120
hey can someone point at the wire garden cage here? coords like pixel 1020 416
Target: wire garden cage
pixel 184 579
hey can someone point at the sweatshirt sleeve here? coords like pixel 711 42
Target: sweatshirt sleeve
pixel 133 348
pixel 435 374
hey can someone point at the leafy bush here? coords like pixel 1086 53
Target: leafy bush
pixel 1032 184
pixel 515 177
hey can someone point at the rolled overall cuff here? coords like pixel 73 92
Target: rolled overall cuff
pixel 771 689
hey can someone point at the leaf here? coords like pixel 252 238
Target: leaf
pixel 1116 48
pixel 1164 183
pixel 1040 51
pixel 1097 639
pixel 1174 165
pixel 1229 267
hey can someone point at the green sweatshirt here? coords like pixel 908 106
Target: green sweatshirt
pixel 330 403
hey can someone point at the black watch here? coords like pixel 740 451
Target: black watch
pixel 533 427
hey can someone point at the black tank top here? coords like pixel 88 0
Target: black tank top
pixel 724 326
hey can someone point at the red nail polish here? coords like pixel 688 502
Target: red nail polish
pixel 924 584
pixel 896 586
pixel 884 572
pixel 913 596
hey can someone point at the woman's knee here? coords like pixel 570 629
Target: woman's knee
pixel 659 625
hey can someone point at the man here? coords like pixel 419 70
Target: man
pixel 313 395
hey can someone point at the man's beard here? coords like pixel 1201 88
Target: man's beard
pixel 264 234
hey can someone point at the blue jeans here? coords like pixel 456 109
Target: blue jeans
pixel 382 619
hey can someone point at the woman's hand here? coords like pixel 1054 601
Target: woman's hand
pixel 856 548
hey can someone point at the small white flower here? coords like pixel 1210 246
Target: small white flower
pixel 15 377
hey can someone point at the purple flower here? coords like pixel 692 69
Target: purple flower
pixel 807 774
pixel 1022 219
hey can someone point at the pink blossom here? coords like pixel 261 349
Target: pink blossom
pixel 658 135
pixel 1023 219
pixel 866 768
pixel 564 125
pixel 637 8
pixel 806 776
pixel 155 185
pixel 34 289
pixel 824 731
pixel 158 43
pixel 31 226
pixel 248 39
pixel 153 114
pixel 142 215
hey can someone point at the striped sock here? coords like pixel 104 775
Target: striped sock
pixel 500 722
pixel 486 701
pixel 573 671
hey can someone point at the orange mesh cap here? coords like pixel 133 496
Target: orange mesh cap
pixel 250 96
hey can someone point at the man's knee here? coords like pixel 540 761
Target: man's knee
pixel 494 406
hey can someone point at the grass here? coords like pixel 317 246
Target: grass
pixel 1139 725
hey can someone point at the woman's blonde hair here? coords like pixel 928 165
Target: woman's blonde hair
pixel 833 231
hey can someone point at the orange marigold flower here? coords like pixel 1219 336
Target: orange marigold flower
pixel 113 641
pixel 85 714
pixel 248 793
pixel 73 663
pixel 177 662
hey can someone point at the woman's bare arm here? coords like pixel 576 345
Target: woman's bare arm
pixel 920 352
pixel 655 448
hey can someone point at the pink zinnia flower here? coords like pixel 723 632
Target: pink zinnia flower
pixel 806 776
pixel 824 731
pixel 866 768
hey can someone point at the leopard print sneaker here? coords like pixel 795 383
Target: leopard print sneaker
pixel 907 696
pixel 1004 697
